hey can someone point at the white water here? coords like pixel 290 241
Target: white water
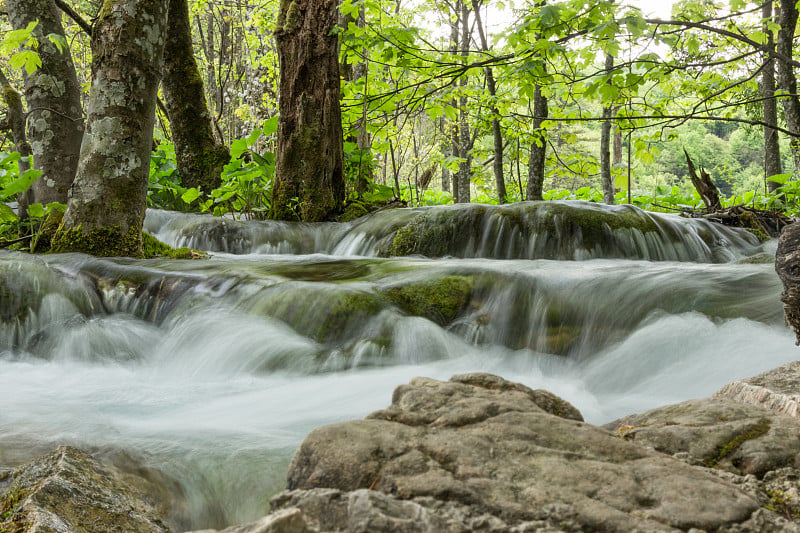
pixel 217 392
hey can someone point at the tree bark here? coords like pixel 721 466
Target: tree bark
pixel 497 133
pixel 107 200
pixel 538 152
pixel 53 96
pixel 787 81
pixel 200 157
pixel 465 166
pixel 772 150
pixel 787 265
pixel 309 181
pixel 605 144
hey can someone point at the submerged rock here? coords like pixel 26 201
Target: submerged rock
pixel 68 491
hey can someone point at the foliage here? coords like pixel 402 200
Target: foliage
pixel 246 180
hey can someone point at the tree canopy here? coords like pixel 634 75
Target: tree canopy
pixel 443 101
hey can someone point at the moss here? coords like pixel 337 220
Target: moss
pixel 440 301
pixel 11 519
pixel 731 446
pixel 99 242
pixel 784 504
pixel 560 339
pixel 152 248
pixel 352 211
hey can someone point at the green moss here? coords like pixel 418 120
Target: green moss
pixel 152 248
pixel 99 242
pixel 440 301
pixel 352 211
pixel 293 18
pixel 783 504
pixel 731 446
pixel 11 500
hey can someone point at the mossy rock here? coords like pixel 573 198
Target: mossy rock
pixel 507 232
pixel 440 301
pixel 152 248
pixel 352 211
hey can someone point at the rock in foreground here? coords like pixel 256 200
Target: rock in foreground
pixel 68 491
pixel 481 453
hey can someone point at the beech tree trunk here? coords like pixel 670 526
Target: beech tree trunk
pixel 106 205
pixel 53 97
pixel 605 145
pixel 309 181
pixel 463 178
pixel 497 133
pixel 787 81
pixel 772 150
pixel 538 152
pixel 199 156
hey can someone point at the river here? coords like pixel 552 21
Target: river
pixel 213 371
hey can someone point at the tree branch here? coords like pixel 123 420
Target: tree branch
pixel 71 13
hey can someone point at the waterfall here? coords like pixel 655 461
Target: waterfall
pixel 214 370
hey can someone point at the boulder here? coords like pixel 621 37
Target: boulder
pixel 68 491
pixel 777 390
pixel 519 458
pixel 719 433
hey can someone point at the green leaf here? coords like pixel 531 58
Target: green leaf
pixel 271 126
pixel 20 184
pixel 190 195
pixel 7 214
pixel 780 178
pixel 60 41
pixel 27 59
pixel 36 210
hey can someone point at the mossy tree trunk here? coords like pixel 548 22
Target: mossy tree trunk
pixel 199 156
pixel 772 149
pixel 309 181
pixel 106 205
pixel 52 93
pixel 786 78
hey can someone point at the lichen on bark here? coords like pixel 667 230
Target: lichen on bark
pixel 108 197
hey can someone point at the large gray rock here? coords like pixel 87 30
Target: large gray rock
pixel 514 455
pixel 777 390
pixel 719 433
pixel 68 491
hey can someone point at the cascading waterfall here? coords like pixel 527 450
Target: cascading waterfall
pixel 213 371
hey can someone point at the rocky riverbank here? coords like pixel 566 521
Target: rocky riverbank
pixel 479 453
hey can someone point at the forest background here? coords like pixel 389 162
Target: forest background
pixel 441 103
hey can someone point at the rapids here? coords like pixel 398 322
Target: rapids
pixel 214 370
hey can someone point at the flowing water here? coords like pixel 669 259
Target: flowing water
pixel 213 371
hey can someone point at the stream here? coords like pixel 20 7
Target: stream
pixel 213 371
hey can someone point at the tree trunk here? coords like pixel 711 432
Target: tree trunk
pixel 465 166
pixel 605 144
pixel 52 93
pixel 787 81
pixel 199 156
pixel 536 159
pixel 772 150
pixel 107 200
pixel 787 265
pixel 309 181
pixel 704 186
pixel 497 133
